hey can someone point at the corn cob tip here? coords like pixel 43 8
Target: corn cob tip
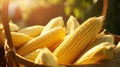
pixel 101 18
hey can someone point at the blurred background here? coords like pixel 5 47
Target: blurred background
pixel 31 12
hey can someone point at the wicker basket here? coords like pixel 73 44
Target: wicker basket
pixel 15 60
pixel 12 59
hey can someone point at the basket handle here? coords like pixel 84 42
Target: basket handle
pixel 104 9
pixel 5 20
pixel 9 48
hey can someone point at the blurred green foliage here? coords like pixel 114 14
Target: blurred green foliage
pixel 77 7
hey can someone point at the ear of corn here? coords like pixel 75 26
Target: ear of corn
pixel 77 41
pixel 72 24
pixel 53 47
pixel 32 31
pixel 46 40
pixel 47 58
pixel 32 56
pixel 13 27
pixel 103 51
pixel 18 38
pixel 55 22
pixel 98 40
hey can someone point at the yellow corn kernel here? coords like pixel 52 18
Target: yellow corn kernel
pixel 50 38
pixel 101 52
pixel 98 40
pixel 32 31
pixel 53 47
pixel 13 27
pixel 77 41
pixel 32 56
pixel 55 22
pixel 18 38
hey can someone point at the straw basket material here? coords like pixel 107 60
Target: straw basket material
pixel 10 58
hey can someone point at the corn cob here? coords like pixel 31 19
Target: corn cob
pixel 50 38
pixel 13 26
pixel 77 41
pixel 72 24
pixel 53 47
pixel 98 40
pixel 101 52
pixel 33 55
pixel 47 58
pixel 18 38
pixel 32 31
pixel 55 22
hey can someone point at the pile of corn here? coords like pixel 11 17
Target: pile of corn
pixel 56 43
